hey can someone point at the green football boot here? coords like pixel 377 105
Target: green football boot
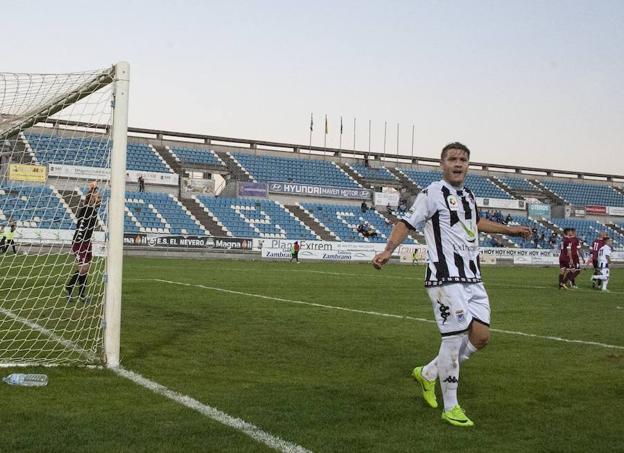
pixel 456 417
pixel 428 387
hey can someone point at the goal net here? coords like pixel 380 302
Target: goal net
pixel 61 219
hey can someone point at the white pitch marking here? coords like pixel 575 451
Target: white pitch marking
pixel 376 313
pixel 215 414
pixel 250 430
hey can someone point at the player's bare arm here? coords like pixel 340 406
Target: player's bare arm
pixel 487 226
pixel 397 236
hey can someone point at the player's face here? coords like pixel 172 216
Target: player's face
pixel 455 166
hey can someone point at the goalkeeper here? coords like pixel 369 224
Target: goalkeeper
pixel 81 243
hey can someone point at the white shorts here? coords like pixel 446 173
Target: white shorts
pixel 456 305
pixel 603 274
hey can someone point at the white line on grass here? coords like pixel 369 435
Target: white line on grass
pixel 376 313
pixel 48 333
pixel 215 414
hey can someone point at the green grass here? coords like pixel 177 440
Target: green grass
pixel 332 380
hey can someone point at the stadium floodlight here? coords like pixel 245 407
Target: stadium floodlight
pixel 63 139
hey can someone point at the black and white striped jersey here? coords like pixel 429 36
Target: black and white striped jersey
pixel 604 255
pixel 448 216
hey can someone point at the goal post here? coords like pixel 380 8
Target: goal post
pixel 114 264
pixel 61 135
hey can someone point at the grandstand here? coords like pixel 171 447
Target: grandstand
pixel 56 149
pixel 167 209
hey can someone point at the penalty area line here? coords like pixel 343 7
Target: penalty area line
pixel 215 414
pixel 376 313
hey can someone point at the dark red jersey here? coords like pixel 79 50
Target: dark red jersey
pixel 596 245
pixel 572 244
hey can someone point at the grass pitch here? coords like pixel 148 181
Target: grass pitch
pixel 317 363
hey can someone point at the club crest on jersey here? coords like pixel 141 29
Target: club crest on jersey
pixel 452 202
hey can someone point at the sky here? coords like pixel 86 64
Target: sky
pixel 528 82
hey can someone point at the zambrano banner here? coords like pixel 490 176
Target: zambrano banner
pixel 30 173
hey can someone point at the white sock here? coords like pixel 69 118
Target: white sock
pixel 604 284
pixel 466 349
pixel 448 364
pixel 430 371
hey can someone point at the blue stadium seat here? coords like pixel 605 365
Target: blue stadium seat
pixel 255 218
pixel 196 156
pixel 34 206
pixel 480 186
pixel 92 152
pixel 585 194
pixel 302 171
pixel 374 174
pixel 343 221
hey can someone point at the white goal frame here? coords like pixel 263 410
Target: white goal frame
pixel 119 77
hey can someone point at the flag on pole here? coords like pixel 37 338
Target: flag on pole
pixel 311 122
pixel 326 125
pixel 341 125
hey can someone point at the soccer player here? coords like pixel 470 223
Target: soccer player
pixel 294 251
pixel 596 245
pixel 569 263
pixel 575 265
pixel 81 243
pixel 565 258
pixel 448 213
pixel 604 258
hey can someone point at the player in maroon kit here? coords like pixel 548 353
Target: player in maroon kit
pixel 596 245
pixel 81 243
pixel 575 265
pixel 569 263
pixel 565 258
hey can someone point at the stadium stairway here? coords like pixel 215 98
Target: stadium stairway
pixel 208 222
pixel 618 189
pixel 233 167
pixel 414 234
pixel 166 155
pixel 405 181
pixel 552 197
pixel 348 170
pixel 310 222
pixel 504 187
pixel 20 155
pixel 521 193
pixel 72 198
pixel 616 227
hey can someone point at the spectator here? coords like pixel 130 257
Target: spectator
pixel 141 184
pixel 402 206
pixel 542 240
pixel 553 240
pixel 364 207
pixel 389 209
pixel 508 219
pixel 534 237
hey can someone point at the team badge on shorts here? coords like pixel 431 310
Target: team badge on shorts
pixel 461 317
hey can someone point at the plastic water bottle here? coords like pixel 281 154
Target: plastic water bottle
pixel 26 380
